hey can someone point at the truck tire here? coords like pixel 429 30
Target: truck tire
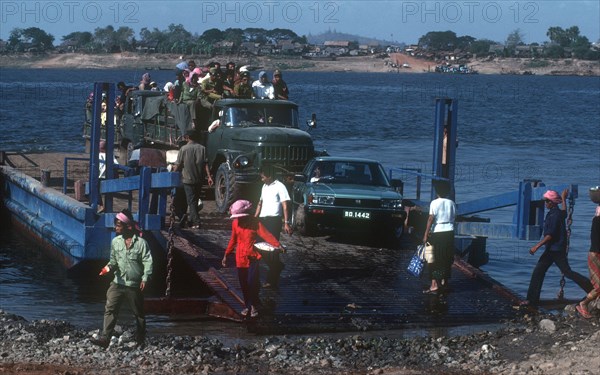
pixel 226 189
pixel 301 224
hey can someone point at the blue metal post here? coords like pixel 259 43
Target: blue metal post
pixel 523 209
pixel 144 194
pixel 110 139
pixel 445 119
pixel 94 146
pixel 107 89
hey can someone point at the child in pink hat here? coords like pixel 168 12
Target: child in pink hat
pixel 245 231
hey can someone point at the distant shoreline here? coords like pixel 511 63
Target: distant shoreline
pixel 359 64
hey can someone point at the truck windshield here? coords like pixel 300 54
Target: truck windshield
pixel 280 116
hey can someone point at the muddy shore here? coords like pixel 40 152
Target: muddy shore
pixel 359 64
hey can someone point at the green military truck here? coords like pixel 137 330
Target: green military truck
pixel 148 120
pixel 252 133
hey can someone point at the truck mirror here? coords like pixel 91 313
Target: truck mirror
pixel 299 178
pixel 398 185
pixel 312 123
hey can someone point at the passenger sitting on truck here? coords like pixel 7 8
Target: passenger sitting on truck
pixel 211 89
pixel 145 82
pixel 228 84
pixel 279 86
pixel 263 89
pixel 230 69
pixel 243 90
pixel 189 96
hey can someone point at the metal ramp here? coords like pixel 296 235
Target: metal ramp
pixel 201 255
pixel 330 284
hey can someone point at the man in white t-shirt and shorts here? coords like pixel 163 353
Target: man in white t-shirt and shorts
pixel 273 211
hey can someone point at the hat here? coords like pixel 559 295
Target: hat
pixel 213 71
pixel 240 208
pixel 552 196
pixel 245 74
pixel 244 68
pixel 277 72
pixel 262 74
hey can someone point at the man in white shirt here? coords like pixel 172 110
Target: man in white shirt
pixel 273 210
pixel 263 89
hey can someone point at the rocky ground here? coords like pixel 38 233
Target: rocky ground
pixel 557 344
pixel 366 64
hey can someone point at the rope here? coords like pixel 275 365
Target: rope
pixel 170 246
pixel 561 292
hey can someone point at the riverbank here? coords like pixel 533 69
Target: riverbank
pixel 534 344
pixel 361 64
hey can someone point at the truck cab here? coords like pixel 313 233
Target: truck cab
pixel 252 133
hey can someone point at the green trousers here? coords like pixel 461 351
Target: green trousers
pixel 115 295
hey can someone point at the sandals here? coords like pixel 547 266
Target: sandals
pixel 583 311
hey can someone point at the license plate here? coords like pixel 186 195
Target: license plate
pixel 357 215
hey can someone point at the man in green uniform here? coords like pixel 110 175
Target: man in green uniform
pixel 131 263
pixel 243 90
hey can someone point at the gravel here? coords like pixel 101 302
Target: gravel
pixel 560 343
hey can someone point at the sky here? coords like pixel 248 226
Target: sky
pixel 398 21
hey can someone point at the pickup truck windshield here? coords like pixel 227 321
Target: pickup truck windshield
pixel 349 173
pixel 276 115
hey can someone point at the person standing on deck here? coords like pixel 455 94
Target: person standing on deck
pixel 245 231
pixel 131 263
pixel 102 170
pixel 593 265
pixel 273 209
pixel 439 231
pixel 191 161
pixel 555 248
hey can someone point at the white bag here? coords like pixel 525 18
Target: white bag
pixel 427 252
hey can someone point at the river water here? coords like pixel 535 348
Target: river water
pixel 510 128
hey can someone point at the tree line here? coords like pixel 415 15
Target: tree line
pixel 176 39
pixel 561 43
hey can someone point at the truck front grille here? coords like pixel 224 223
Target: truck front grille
pixel 289 156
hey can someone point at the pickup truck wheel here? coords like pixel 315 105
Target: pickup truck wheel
pixel 226 189
pixel 301 222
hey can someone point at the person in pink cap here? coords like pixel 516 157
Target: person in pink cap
pixel 131 266
pixel 554 241
pixel 245 231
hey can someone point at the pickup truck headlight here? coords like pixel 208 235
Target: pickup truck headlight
pixel 391 203
pixel 321 199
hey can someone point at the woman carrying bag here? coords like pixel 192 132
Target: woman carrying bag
pixel 439 231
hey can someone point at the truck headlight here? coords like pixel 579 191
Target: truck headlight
pixel 391 203
pixel 241 162
pixel 321 199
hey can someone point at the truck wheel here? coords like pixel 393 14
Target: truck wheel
pixel 301 222
pixel 226 189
